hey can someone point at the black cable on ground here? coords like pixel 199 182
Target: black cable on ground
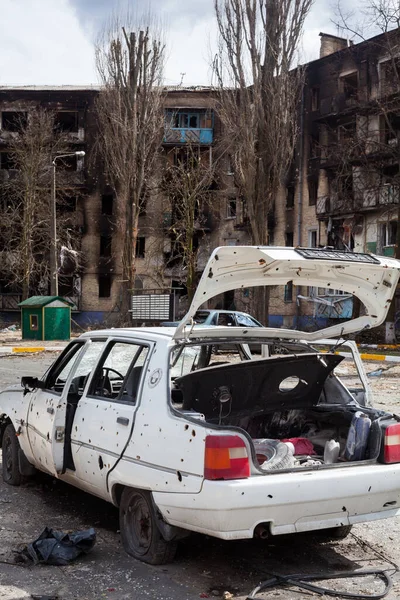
pixel 300 580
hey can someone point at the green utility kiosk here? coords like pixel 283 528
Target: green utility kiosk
pixel 45 318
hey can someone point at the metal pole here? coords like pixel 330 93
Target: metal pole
pixel 53 235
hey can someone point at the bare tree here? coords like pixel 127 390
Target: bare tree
pixel 257 48
pixel 130 117
pixel 25 193
pixel 187 183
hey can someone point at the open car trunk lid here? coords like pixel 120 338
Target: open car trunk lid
pixel 371 278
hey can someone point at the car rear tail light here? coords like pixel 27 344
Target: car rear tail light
pixel 226 457
pixel 392 444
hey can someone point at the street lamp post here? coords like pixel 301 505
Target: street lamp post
pixel 53 224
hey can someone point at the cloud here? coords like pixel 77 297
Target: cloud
pixel 43 42
pixel 51 41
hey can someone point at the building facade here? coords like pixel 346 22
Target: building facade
pixel 342 190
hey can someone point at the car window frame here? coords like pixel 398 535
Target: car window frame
pixel 60 363
pixel 106 351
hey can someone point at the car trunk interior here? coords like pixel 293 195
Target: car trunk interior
pixel 295 399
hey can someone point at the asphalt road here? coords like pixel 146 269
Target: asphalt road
pixel 204 567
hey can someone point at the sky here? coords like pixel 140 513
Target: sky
pixel 51 42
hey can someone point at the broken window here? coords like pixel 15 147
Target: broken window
pixel 7 160
pixel 350 85
pixel 314 98
pixel 390 75
pixel 312 192
pixel 347 132
pixel 67 121
pixel 67 204
pixel 104 285
pixel 189 119
pixel 231 208
pixel 290 193
pixel 107 204
pixel 391 126
pixel 13 120
pixel 140 247
pixel 289 238
pixel 105 246
pixel 68 163
pixel 288 293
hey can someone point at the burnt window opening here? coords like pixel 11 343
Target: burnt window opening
pixel 315 150
pixel 289 238
pixel 231 208
pixel 290 194
pixel 105 246
pixel 66 285
pixel 344 185
pixel 67 204
pixel 350 85
pixel 140 247
pixel 68 163
pixel 288 292
pixel 105 285
pixel 390 75
pixel 13 120
pixel 143 202
pixel 312 192
pixel 314 98
pixel 107 204
pixel 7 161
pixel 67 121
pixel 347 132
pixel 392 129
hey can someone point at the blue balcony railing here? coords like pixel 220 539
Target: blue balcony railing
pixel 187 135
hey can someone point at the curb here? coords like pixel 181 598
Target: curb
pixel 29 349
pixel 372 357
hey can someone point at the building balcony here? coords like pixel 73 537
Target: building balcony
pixel 383 196
pixel 187 135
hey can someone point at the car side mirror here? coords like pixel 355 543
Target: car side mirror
pixel 32 383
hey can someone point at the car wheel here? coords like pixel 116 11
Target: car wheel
pixel 10 447
pixel 272 455
pixel 335 533
pixel 140 535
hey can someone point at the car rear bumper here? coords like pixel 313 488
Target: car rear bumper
pixel 286 502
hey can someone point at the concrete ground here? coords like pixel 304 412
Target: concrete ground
pixel 204 567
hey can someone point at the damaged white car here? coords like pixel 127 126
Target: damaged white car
pixel 183 438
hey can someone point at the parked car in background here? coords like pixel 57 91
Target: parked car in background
pixel 181 439
pixel 224 318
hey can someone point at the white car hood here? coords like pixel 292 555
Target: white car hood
pixel 371 278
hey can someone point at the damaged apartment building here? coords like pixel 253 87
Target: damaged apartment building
pixel 343 189
pixel 89 244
